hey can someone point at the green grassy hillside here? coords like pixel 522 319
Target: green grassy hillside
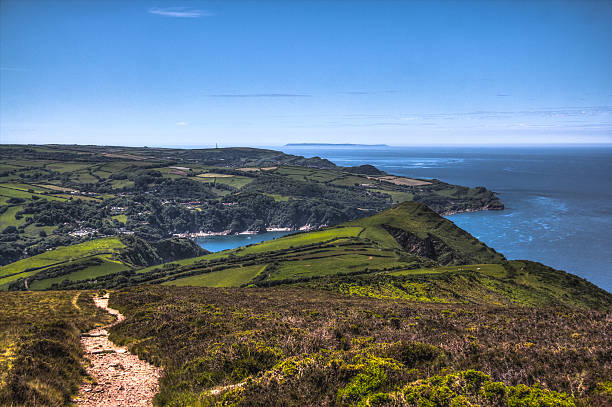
pixel 415 228
pixel 94 258
pixel 406 253
pixel 90 260
pixel 364 246
pixel 517 282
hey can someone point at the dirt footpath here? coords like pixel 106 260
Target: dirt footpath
pixel 120 378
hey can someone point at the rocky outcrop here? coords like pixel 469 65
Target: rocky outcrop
pixel 431 247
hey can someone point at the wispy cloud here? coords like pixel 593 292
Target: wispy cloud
pixel 182 124
pixel 368 92
pixel 260 95
pixel 583 111
pixel 179 12
pixel 571 117
pixel 13 69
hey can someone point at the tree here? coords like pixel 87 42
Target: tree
pixel 258 226
pixel 9 230
pixel 235 226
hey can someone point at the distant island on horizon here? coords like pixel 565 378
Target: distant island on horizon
pixel 336 144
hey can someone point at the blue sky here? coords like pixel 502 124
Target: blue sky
pixel 273 72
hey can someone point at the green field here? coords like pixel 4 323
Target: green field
pixel 350 180
pixel 278 198
pixel 120 218
pixel 18 193
pixel 233 277
pixel 310 174
pixel 235 181
pixel 335 262
pixel 397 196
pixel 8 167
pixel 87 262
pixel 108 266
pixel 34 231
pixel 113 167
pixel 67 166
pixel 26 187
pixel 103 248
pixel 122 183
pixel 8 217
pixel 66 253
pixel 300 239
pixel 83 178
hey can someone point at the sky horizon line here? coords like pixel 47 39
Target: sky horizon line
pixel 263 145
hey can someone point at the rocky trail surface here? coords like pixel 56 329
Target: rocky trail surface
pixel 120 378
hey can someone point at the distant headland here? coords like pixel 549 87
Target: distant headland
pixel 336 145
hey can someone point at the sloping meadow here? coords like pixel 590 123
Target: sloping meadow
pixel 288 346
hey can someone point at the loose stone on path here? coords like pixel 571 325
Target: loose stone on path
pixel 121 379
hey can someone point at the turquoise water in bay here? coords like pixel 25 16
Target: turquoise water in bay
pixel 558 199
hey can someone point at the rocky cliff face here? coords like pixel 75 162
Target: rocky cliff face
pixel 445 206
pixel 431 247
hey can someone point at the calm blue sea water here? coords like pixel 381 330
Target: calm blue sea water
pixel 219 243
pixel 558 199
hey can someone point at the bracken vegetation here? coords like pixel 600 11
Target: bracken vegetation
pixel 40 352
pixel 287 346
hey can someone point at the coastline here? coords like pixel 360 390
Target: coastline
pixel 202 233
pixel 451 213
pixel 304 228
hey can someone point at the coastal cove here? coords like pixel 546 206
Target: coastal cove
pixel 219 243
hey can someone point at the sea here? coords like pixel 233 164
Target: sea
pixel 558 199
pixel 225 242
